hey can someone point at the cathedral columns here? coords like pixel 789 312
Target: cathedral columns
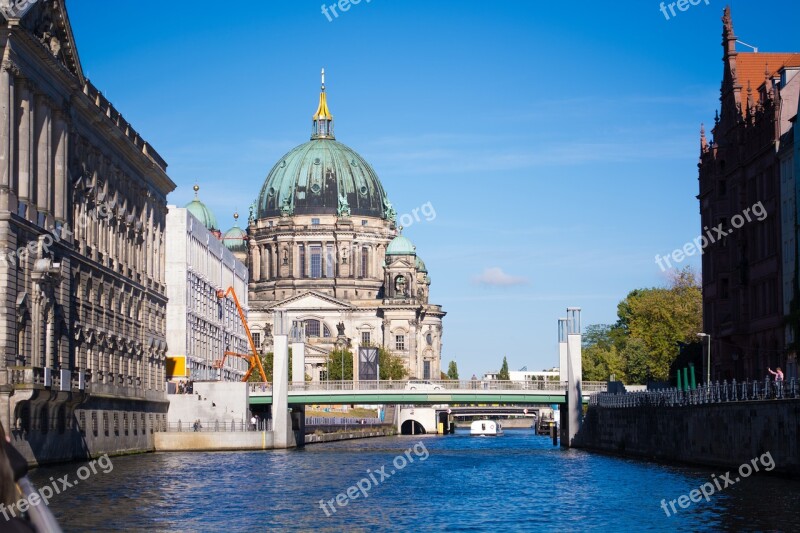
pixel 26 186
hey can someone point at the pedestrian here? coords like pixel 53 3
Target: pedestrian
pixel 778 373
pixel 253 422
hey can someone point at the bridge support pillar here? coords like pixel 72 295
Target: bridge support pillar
pixel 298 362
pixel 281 421
pixel 574 416
pixel 563 370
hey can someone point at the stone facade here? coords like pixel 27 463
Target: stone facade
pixel 324 246
pixel 743 300
pixel 83 318
pixel 200 326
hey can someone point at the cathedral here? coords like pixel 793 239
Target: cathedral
pixel 323 245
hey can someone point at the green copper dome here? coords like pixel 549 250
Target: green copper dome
pixel 421 265
pixel 323 177
pixel 235 239
pixel 201 212
pixel 401 246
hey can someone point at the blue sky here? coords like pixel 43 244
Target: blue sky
pixel 556 141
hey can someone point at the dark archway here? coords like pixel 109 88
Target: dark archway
pixel 412 427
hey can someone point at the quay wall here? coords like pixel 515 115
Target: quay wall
pixel 717 435
pixel 350 435
pixel 214 441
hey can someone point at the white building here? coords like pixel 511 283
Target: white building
pixel 200 326
pixel 525 375
pixel 325 248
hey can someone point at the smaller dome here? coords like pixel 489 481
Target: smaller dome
pixel 401 246
pixel 199 210
pixel 421 266
pixel 235 239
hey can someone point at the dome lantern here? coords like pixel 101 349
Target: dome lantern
pixel 323 120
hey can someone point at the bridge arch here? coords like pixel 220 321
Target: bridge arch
pixel 412 427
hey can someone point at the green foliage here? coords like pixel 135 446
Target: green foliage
pixel 340 365
pixel 391 366
pixel 642 344
pixel 267 361
pixel 452 371
pixel 503 374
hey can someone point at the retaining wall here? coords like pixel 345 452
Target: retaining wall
pixel 213 441
pixel 719 435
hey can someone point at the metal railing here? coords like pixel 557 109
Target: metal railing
pixel 429 386
pixel 342 421
pixel 714 393
pixel 215 426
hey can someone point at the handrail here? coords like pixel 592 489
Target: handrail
pixel 713 393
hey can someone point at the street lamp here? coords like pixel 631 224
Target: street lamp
pixel 708 356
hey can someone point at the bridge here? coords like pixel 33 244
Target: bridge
pixel 433 392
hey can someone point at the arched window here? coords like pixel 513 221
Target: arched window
pixel 312 328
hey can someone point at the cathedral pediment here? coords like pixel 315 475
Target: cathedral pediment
pixel 311 301
pixel 401 263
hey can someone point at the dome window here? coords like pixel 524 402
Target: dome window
pixel 317 161
pixel 363 190
pixel 315 188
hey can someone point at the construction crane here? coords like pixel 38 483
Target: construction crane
pixel 252 358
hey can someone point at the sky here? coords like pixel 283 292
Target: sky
pixel 550 149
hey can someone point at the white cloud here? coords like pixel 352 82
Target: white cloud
pixel 496 277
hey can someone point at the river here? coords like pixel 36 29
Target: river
pixel 517 482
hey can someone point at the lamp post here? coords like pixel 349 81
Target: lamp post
pixel 708 357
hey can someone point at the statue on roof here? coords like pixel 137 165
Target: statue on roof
pixel 388 211
pixel 286 207
pixel 344 207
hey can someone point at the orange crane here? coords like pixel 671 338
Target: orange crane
pixel 252 358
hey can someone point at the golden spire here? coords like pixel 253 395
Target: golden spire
pixel 323 120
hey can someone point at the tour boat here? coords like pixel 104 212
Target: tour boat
pixel 486 428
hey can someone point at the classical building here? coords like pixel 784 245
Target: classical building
pixel 82 214
pixel 200 326
pixel 324 246
pixel 740 180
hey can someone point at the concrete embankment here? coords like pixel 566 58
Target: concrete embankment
pixel 214 441
pixel 718 435
pixel 348 435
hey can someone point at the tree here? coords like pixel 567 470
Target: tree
pixel 452 371
pixel 268 362
pixel 503 374
pixel 642 344
pixel 392 366
pixel 601 354
pixel 336 360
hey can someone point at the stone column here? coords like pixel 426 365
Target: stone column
pixel 27 125
pixel 43 157
pixel 7 136
pixel 60 167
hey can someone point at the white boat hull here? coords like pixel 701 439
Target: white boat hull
pixel 486 428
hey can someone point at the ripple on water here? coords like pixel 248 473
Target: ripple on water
pixel 518 482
